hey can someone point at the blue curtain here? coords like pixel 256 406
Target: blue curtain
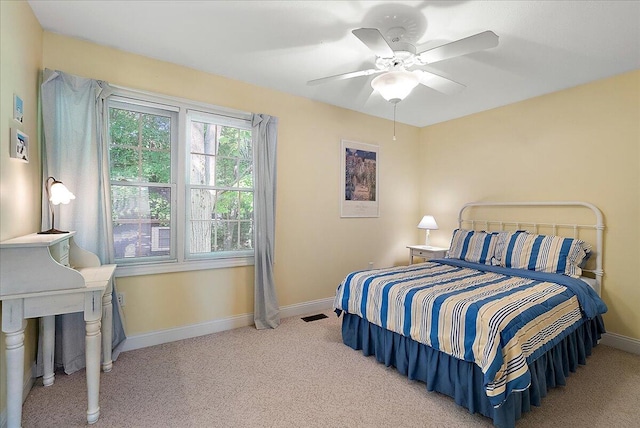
pixel 75 151
pixel 265 137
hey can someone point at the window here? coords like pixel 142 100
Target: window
pixel 220 188
pixel 140 150
pixel 181 186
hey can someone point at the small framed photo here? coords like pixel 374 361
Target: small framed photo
pixel 18 108
pixel 19 145
pixel 359 180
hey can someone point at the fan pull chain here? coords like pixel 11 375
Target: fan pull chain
pixel 394 121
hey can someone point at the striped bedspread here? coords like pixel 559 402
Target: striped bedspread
pixel 499 322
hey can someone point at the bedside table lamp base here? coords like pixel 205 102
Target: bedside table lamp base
pixel 52 232
pixel 428 223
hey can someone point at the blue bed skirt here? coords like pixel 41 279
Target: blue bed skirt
pixel 463 380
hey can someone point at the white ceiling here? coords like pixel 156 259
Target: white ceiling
pixel 545 46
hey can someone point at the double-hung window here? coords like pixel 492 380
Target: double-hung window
pixel 141 152
pixel 220 186
pixel 181 185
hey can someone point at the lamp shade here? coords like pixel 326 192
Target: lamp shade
pixel 59 194
pixel 428 222
pixel 394 86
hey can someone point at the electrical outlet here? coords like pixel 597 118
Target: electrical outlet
pixel 121 299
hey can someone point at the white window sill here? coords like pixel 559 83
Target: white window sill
pixel 175 266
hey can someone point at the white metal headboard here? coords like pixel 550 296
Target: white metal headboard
pixel 534 226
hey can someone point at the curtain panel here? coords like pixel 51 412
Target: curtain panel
pixel 76 152
pixel 265 137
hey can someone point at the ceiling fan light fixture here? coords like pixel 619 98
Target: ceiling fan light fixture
pixel 394 86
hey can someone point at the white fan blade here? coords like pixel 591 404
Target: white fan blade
pixel 475 43
pixel 439 83
pixel 343 76
pixel 374 41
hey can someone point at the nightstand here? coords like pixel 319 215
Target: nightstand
pixel 425 252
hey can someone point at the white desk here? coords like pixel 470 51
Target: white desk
pixel 36 280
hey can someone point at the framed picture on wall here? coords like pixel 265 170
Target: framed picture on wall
pixel 19 145
pixel 18 108
pixel 359 180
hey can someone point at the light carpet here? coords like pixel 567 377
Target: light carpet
pixel 302 375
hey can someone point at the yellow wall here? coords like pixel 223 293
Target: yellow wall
pixel 585 140
pixel 315 248
pixel 20 184
pixel 578 144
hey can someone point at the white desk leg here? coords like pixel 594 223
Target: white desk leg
pixel 48 335
pixel 13 326
pixel 92 315
pixel 107 328
pixel 92 353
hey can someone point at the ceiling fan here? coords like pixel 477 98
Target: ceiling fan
pixel 395 58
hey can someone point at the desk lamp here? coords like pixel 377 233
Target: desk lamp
pixel 57 193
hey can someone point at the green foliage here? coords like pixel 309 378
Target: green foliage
pixel 160 204
pixel 123 127
pixel 221 159
pixel 156 167
pixel 140 146
pixel 146 203
pixel 124 164
pixel 156 132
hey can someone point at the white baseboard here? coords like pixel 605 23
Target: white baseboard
pixel 29 380
pixel 621 342
pixel 306 308
pixel 164 336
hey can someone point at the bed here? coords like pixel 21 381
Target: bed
pixel 511 310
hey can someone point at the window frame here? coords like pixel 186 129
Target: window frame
pixel 159 110
pixel 200 116
pixel 181 261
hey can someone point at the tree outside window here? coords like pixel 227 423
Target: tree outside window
pixel 217 190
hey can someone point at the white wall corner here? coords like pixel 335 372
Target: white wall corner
pixel 621 342
pixel 215 326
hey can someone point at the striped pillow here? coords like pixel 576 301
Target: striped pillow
pixel 544 253
pixel 472 246
pixel 501 244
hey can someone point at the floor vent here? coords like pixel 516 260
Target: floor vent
pixel 314 317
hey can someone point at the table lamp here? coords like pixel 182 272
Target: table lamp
pixel 428 223
pixel 57 193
